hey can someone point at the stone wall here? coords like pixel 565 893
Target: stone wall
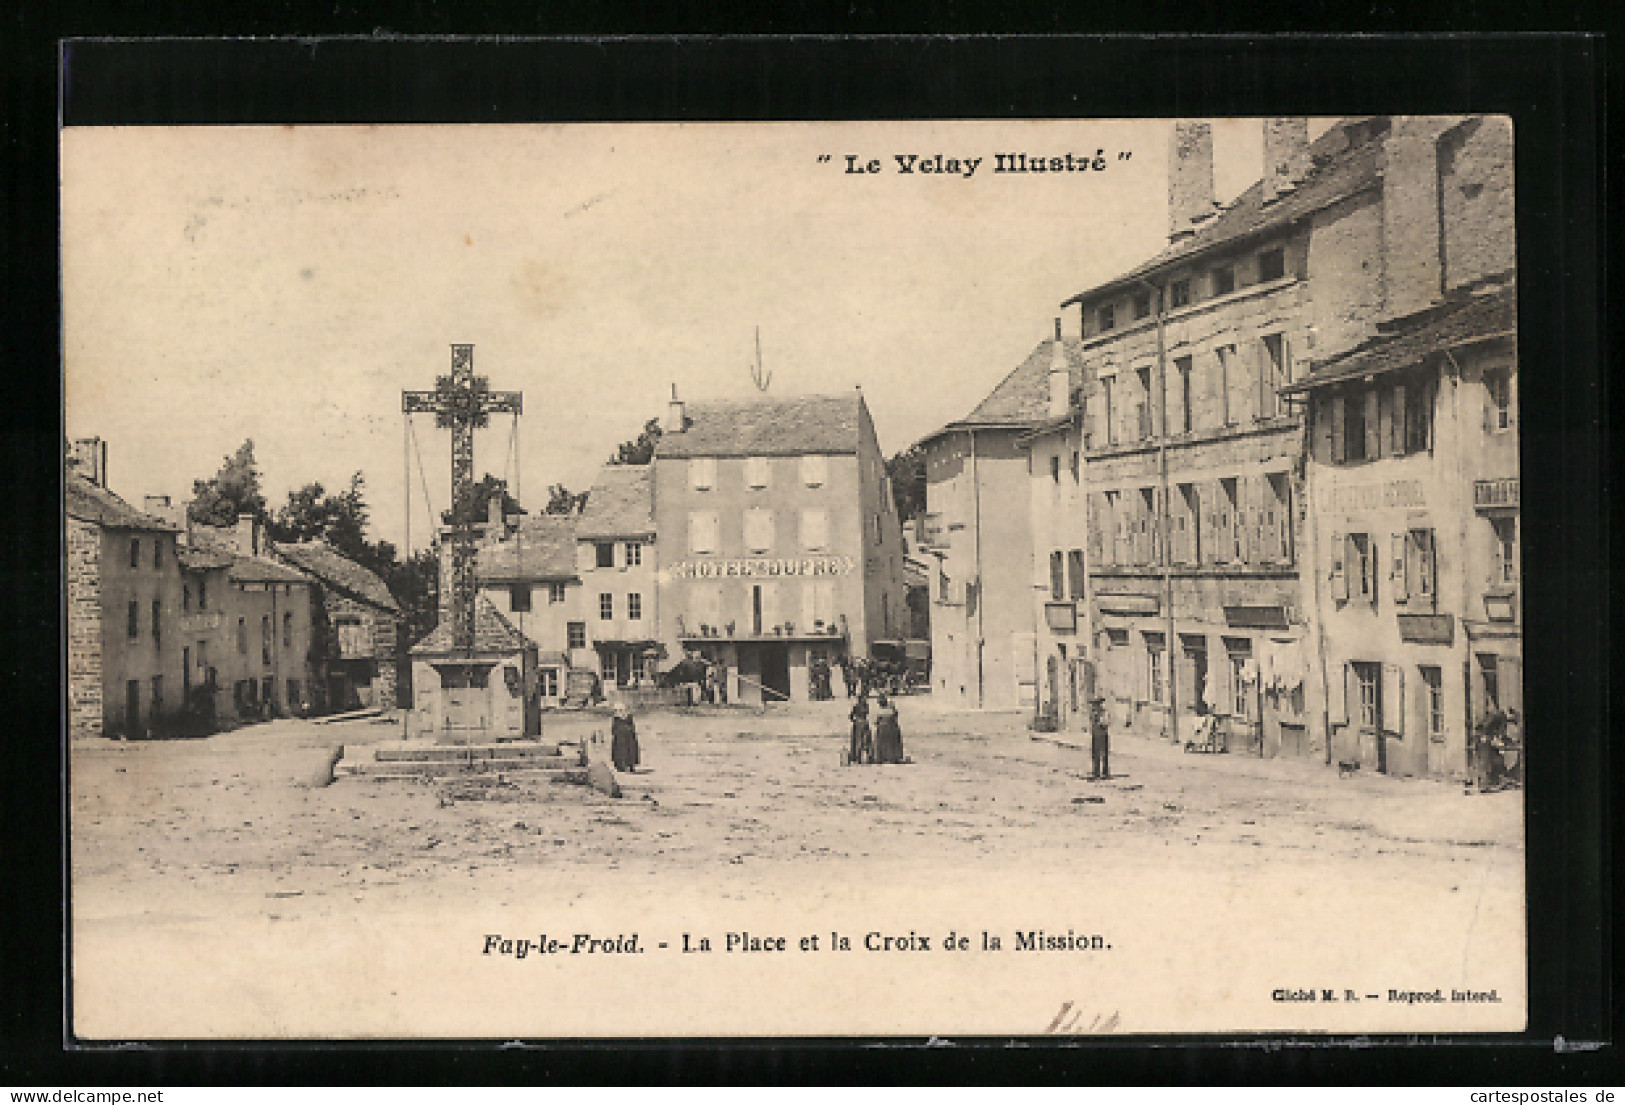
pixel 1476 170
pixel 85 691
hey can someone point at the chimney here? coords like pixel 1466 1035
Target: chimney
pixel 675 421
pixel 1411 234
pixel 246 537
pixel 89 458
pixel 1190 178
pixel 493 512
pixel 162 506
pixel 1060 377
pixel 1286 156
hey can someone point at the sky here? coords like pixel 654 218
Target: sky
pixel 285 284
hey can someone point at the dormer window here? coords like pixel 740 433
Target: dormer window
pixel 1142 305
pixel 1271 265
pixel 1224 280
pixel 1108 317
pixel 1179 293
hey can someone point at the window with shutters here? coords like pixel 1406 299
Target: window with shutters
pixel 1277 373
pixel 1146 406
pixel 1417 403
pixel 1278 517
pixel 1150 543
pixel 1338 574
pixel 758 530
pixel 702 473
pixel 702 531
pixel 1421 581
pixel 1074 573
pixel 1364 711
pixel 1362 569
pixel 1182 369
pixel 756 472
pixel 1498 413
pixel 1506 551
pixel 1108 409
pixel 1187 535
pixel 814 470
pixel 1354 427
pixel 1226 357
pixel 1155 668
pixel 1111 527
pixel 1057 576
pixel 1230 523
pixel 1433 701
pixel 814 530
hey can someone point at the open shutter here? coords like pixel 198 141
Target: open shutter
pixel 1393 699
pixel 1400 567
pixel 1339 570
pixel 1337 698
pixel 1218 675
pixel 1339 446
pixel 1259 547
pixel 1373 427
pixel 1286 360
pixel 1261 376
pixel 1351 695
pixel 1185 682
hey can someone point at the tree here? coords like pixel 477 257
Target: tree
pixel 234 491
pixel 641 450
pixel 907 472
pixel 475 505
pixel 312 514
pixel 561 500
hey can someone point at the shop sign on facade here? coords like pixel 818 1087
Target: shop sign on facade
pixel 755 568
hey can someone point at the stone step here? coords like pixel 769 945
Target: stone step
pixel 420 769
pixel 445 753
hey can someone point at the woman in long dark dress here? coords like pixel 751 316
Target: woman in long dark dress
pixel 623 740
pixel 863 747
pixel 888 733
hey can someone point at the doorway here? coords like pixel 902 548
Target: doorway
pixel 756 610
pixel 1194 647
pixel 132 708
pixel 776 672
pixel 1368 709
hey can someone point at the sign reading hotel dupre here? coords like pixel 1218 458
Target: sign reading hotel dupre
pixel 764 567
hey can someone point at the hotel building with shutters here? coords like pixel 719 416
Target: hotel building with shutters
pixel 779 539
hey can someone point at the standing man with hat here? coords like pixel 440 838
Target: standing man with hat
pixel 1099 739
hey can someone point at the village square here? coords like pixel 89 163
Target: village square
pixel 1212 598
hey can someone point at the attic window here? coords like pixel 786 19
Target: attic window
pixel 1271 265
pixel 1224 280
pixel 1142 305
pixel 1179 293
pixel 1108 317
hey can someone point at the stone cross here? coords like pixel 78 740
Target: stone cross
pixel 462 402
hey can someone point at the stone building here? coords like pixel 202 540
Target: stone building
pixel 247 628
pixel 779 540
pixel 615 559
pixel 123 582
pixel 528 574
pixel 356 628
pixel 1413 476
pixel 475 696
pixel 1192 446
pixel 978 518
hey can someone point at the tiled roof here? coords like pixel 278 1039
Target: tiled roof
pixel 257 569
pixel 1455 322
pixel 492 633
pixel 1340 170
pixel 201 557
pixel 619 504
pixel 319 559
pixel 88 503
pixel 544 548
pixel 769 426
pixel 1021 400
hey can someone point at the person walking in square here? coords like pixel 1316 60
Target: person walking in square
pixel 888 733
pixel 1099 740
pixel 623 742
pixel 862 749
